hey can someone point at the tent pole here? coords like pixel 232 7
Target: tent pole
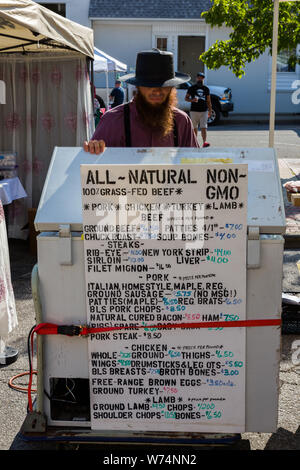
pixel 274 72
pixel 107 98
pixel 92 80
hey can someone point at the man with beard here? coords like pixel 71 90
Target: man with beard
pixel 151 118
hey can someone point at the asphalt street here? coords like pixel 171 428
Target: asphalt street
pixel 232 134
pixel 287 436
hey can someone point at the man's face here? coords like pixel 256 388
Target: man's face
pixel 155 96
pixel 200 80
pixel 155 108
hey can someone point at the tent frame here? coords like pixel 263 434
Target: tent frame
pixel 29 43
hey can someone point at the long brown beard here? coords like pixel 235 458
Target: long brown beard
pixel 160 117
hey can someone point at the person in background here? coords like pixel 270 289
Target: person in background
pixel 199 97
pixel 151 119
pixel 101 102
pixel 117 94
pixel 99 109
pixel 97 112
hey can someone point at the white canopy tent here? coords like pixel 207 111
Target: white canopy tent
pixel 105 63
pixel 112 64
pixel 28 26
pixel 44 63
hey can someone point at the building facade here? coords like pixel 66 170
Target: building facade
pixel 122 29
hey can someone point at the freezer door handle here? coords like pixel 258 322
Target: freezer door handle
pixel 253 248
pixel 65 245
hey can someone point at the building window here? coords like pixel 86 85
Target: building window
pixel 283 60
pixel 162 44
pixel 287 72
pixel 59 8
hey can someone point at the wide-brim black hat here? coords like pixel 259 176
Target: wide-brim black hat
pixel 155 69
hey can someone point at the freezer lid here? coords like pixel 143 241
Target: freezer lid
pixel 60 201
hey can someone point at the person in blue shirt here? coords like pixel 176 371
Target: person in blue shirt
pixel 117 94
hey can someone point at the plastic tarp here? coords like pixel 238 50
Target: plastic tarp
pixel 28 26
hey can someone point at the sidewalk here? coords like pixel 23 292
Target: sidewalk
pixel 263 118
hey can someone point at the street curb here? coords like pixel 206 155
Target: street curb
pixel 263 119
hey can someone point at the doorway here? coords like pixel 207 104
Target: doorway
pixel 189 50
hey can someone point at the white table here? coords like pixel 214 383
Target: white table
pixel 11 189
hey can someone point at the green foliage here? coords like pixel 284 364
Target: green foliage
pixel 251 25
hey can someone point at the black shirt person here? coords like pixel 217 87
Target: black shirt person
pixel 199 97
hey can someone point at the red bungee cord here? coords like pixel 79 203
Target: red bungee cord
pixel 79 330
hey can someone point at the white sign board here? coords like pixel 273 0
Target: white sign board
pixel 166 245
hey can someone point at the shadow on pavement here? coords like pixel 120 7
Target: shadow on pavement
pixel 283 439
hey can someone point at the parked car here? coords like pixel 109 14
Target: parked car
pixel 220 100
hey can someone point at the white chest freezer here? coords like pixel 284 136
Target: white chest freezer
pixel 63 396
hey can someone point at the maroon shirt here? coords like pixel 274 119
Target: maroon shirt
pixel 111 130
